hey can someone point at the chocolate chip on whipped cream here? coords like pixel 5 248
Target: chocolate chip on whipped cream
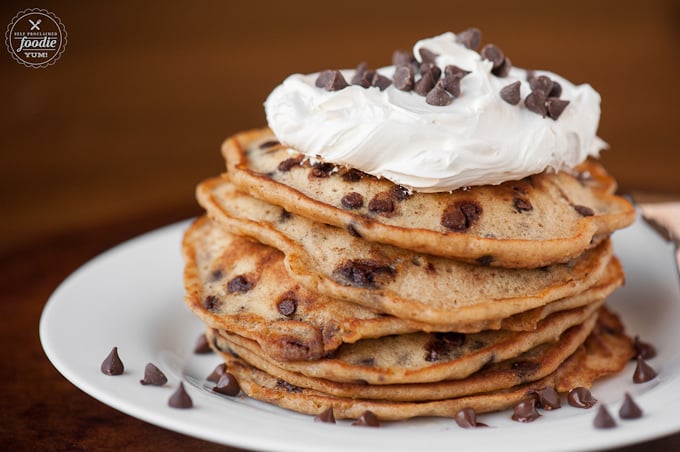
pixel 535 102
pixel 438 95
pixel 331 80
pixel 511 93
pixel 555 106
pixel 112 365
pixel 404 78
pixel 427 56
pixel 470 38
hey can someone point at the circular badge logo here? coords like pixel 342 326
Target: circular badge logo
pixel 35 38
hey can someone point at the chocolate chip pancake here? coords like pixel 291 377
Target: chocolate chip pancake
pixel 242 286
pixel 606 351
pixel 403 283
pixel 425 357
pixel 540 220
pixel 529 366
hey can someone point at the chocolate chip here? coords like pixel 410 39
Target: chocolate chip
pixel 603 419
pixel 425 84
pixel 541 83
pixel 504 69
pixel 364 273
pixel 368 362
pixel 461 215
pixel 451 70
pixel 555 107
pixel 285 216
pixel 401 193
pixel 153 376
pixel 287 306
pixel 352 200
pixel 580 397
pixel 288 164
pixel 629 409
pixel 402 58
pixel 404 78
pixel 269 144
pixel 467 418
pixel 367 419
pixel 239 284
pixel 227 385
pixel 351 228
pixel 643 349
pixel 494 54
pixel 217 373
pixel 321 169
pixel 211 303
pixel 643 371
pixel 202 346
pixel 382 204
pixel 352 175
pixel 470 38
pixel 452 84
pixel 180 398
pixel 326 416
pixel 522 204
pixel 524 368
pixel 431 67
pixel 510 93
pixel 535 102
pixel 485 260
pixel 584 211
pixel 112 365
pixel 331 80
pixel 427 56
pixel 525 411
pixel 288 387
pixel 363 76
pixel 556 90
pixel 438 95
pixel 440 346
pixel 380 81
pixel 216 275
pixel 547 398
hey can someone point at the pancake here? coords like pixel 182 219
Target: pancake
pixel 314 324
pixel 424 357
pixel 537 221
pixel 606 351
pixel 529 366
pixel 403 283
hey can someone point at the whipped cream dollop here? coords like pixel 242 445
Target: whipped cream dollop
pixel 477 139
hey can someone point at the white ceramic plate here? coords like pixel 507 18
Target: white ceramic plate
pixel 131 297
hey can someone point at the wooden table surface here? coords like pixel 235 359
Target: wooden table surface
pixel 110 141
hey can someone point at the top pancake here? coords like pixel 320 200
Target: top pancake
pixel 537 221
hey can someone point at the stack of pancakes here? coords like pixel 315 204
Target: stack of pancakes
pixel 322 286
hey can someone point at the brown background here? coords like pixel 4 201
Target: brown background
pixel 111 140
